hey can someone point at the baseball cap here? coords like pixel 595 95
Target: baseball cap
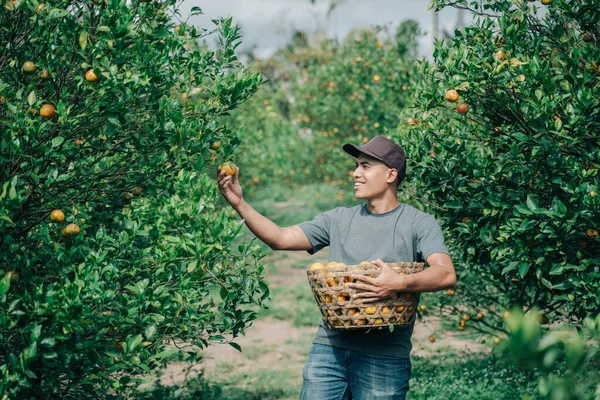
pixel 384 150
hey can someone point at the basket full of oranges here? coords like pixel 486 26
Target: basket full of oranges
pixel 330 285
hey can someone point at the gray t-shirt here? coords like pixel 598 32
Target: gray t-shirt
pixel 355 235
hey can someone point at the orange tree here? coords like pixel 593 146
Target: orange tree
pixel 513 171
pixel 322 96
pixel 112 248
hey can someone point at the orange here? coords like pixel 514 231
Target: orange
pixel 506 314
pixel 316 266
pixel 229 168
pixel 328 299
pixel 385 310
pixel 378 321
pixel 451 95
pixel 215 145
pixel 450 292
pixel 361 322
pixel 91 76
pixel 376 78
pixel 332 281
pixel 546 2
pixel 47 111
pixel 592 232
pixel 57 216
pixel 45 74
pixel 29 66
pixel 70 230
pixel 422 307
pixel 462 323
pixel 480 315
pixel 137 191
pixel 370 310
pixel 412 121
pixel 343 297
pixel 462 108
pixel 466 317
pixel 332 264
pixel 497 340
pixel 400 309
pixel 432 338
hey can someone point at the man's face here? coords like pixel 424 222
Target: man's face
pixel 370 177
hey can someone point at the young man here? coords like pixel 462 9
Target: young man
pixel 362 364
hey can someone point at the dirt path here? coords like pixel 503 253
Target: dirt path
pixel 280 347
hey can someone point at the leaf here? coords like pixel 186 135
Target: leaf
pixel 223 292
pixel 4 284
pixel 192 266
pixel 236 346
pixel 57 141
pixel 523 268
pixel 558 207
pixel 7 219
pixel 31 99
pixel 532 203
pixel 150 331
pixel 83 38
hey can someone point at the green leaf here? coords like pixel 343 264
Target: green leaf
pixel 558 207
pixel 150 331
pixel 57 141
pixel 4 284
pixel 83 38
pixel 523 268
pixel 223 293
pixel 7 219
pixel 532 203
pixel 31 99
pixel 236 346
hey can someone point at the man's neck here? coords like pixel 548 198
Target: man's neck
pixel 383 204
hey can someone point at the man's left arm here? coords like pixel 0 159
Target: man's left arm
pixel 440 275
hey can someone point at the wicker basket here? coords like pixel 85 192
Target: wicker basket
pixel 330 287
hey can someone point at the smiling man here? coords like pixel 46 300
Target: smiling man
pixel 362 364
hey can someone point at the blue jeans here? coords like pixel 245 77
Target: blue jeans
pixel 332 373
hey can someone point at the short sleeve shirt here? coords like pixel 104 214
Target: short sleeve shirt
pixel 355 235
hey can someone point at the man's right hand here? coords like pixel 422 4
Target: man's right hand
pixel 229 186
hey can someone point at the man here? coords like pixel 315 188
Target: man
pixel 362 364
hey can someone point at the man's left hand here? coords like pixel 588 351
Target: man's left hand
pixel 386 285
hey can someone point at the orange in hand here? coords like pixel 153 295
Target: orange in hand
pixel 229 168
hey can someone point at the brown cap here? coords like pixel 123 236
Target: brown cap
pixel 383 149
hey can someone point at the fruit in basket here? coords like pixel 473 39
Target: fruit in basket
pixel 332 281
pixel 353 311
pixel 328 299
pixel 343 297
pixel 400 309
pixel 378 321
pixel 361 322
pixel 370 310
pixel 385 310
pixel 316 266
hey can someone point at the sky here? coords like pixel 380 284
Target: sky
pixel 268 24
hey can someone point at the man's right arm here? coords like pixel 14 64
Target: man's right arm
pixel 276 237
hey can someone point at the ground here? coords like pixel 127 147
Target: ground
pixel 276 346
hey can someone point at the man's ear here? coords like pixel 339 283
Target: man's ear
pixel 392 174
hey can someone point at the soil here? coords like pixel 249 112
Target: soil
pixel 272 340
